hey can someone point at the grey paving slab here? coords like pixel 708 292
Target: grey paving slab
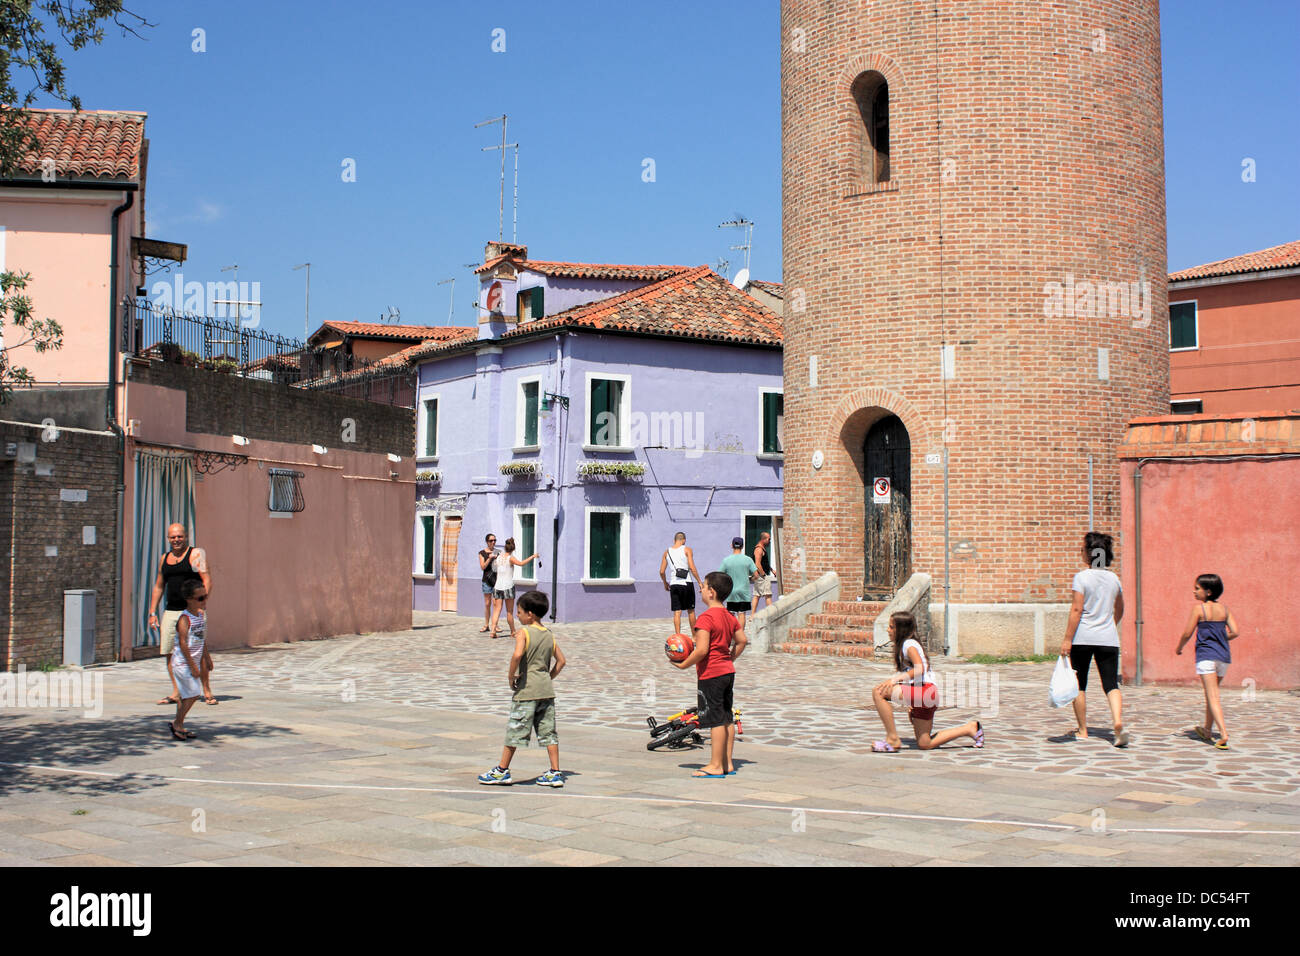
pixel 389 779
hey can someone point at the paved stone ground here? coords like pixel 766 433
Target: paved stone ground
pixel 363 751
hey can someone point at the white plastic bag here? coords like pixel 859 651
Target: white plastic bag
pixel 1065 684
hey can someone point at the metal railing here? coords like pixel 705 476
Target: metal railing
pixel 150 331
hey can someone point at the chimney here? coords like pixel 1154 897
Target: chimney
pixel 495 249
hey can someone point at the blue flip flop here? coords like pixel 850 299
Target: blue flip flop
pixel 700 776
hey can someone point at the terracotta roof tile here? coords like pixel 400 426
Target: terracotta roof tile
pixel 91 143
pixel 413 333
pixel 1285 256
pixel 771 288
pixel 586 270
pixel 694 304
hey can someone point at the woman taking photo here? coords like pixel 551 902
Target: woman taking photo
pixel 504 589
pixel 1092 632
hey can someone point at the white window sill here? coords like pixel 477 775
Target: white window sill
pixel 612 449
pixel 1190 348
pixel 526 449
pixel 529 581
pixel 431 459
pixel 282 514
pixel 609 581
pixel 771 456
pixel 420 576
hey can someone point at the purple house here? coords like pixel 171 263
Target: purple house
pixel 598 410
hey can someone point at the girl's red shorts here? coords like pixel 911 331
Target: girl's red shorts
pixel 922 699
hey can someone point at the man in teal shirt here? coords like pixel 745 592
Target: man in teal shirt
pixel 742 570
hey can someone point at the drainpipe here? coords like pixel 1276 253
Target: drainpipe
pixel 1137 569
pixel 559 475
pixel 112 419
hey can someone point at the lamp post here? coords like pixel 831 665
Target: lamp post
pixel 306 321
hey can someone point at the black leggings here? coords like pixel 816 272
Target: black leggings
pixel 1107 665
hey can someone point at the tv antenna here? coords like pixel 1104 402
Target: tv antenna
pixel 722 267
pixel 451 305
pixel 501 212
pixel 740 222
pixel 394 314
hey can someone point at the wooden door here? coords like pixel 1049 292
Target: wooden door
pixel 888 546
pixel 447 562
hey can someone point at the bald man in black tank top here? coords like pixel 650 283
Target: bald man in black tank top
pixel 182 563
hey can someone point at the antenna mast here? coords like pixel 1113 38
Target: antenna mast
pixel 501 209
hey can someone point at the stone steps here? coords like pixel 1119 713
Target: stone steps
pixel 835 635
pixel 842 629
pixel 865 651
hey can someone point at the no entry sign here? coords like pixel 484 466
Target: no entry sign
pixel 880 491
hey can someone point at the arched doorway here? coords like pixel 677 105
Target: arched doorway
pixel 887 454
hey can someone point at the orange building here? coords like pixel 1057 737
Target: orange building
pixel 1234 334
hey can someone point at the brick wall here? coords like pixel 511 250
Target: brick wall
pixel 35 517
pixel 229 405
pixel 1026 148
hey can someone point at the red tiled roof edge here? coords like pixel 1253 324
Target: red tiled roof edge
pixel 100 144
pixel 1285 256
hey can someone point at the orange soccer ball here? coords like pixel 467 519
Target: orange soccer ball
pixel 679 647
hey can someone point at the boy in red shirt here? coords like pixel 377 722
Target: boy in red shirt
pixel 719 640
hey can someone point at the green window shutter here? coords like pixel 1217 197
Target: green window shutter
pixel 530 414
pixel 1182 325
pixel 527 542
pixel 606 409
pixel 605 544
pixel 599 406
pixel 773 410
pixel 539 302
pixel 427 521
pixel 431 427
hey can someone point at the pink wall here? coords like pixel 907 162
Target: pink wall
pixel 1248 350
pixel 341 566
pixel 62 238
pixel 1231 517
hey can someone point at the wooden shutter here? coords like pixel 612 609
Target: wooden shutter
pixel 773 410
pixel 427 521
pixel 530 414
pixel 605 544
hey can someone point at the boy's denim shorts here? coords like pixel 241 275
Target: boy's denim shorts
pixel 527 716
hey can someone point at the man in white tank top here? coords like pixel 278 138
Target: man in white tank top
pixel 676 570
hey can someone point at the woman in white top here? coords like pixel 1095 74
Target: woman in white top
pixel 1093 632
pixel 503 592
pixel 915 685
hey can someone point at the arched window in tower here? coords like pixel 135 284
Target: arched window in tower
pixel 871 94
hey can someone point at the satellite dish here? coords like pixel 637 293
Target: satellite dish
pixel 742 279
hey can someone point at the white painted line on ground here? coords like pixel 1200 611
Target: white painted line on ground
pixel 676 801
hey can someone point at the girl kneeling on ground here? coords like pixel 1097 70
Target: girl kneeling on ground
pixel 916 684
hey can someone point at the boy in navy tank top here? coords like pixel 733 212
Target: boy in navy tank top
pixel 1214 626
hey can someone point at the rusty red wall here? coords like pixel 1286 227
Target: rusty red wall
pixel 1234 517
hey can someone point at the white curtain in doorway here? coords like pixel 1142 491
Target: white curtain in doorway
pixel 164 495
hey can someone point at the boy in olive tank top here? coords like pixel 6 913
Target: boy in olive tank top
pixel 533 707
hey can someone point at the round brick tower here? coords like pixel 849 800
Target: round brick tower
pixel 974 247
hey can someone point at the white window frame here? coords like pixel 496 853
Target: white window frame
pixel 624 414
pixel 520 410
pixel 624 541
pixel 768 455
pixel 422 422
pixel 1196 322
pixel 529 569
pixel 418 554
pixel 772 531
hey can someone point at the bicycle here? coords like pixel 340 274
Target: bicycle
pixel 682 730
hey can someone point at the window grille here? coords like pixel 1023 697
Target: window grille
pixel 286 492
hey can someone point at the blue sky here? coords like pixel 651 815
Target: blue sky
pixel 248 138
